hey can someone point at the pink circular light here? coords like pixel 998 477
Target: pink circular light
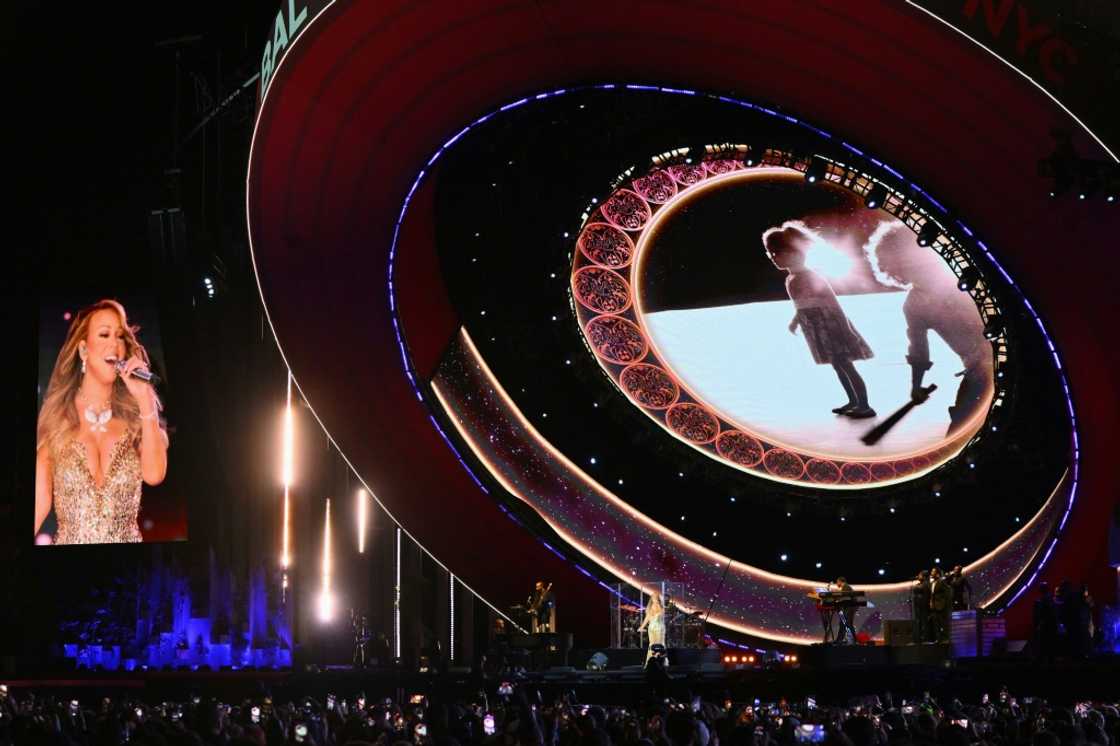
pixel 617 339
pixel 601 290
pixel 692 422
pixel 688 174
pixel 606 245
pixel 627 210
pixel 783 463
pixel 657 186
pixel 823 471
pixel 649 386
pixel 739 447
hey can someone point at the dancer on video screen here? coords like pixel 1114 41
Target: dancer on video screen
pixel 99 435
pixel 827 330
pixel 934 304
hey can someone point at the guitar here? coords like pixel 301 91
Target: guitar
pixel 535 606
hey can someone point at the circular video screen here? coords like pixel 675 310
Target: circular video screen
pixel 781 325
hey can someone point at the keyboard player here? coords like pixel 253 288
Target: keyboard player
pixel 846 613
pixel 842 611
pixel 825 610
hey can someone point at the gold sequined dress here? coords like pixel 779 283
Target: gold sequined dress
pixel 88 514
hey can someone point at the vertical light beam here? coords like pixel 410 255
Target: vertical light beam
pixel 362 518
pixel 285 558
pixel 397 602
pixel 451 647
pixel 287 454
pixel 289 435
pixel 326 601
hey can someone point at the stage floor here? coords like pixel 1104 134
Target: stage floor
pixel 967 678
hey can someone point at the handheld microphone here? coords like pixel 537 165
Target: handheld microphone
pixel 143 374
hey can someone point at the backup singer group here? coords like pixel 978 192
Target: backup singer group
pixel 934 597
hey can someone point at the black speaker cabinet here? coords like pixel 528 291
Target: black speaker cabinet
pixel 898 632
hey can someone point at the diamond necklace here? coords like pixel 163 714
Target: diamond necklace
pixel 98 420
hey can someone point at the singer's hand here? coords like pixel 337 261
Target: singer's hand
pixel 140 390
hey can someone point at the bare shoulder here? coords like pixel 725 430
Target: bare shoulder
pixel 816 280
pixel 807 280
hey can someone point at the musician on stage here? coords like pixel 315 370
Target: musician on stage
pixel 542 608
pixel 846 613
pixel 962 589
pixel 919 602
pixel 655 622
pixel 940 605
pixel 826 614
pixel 362 636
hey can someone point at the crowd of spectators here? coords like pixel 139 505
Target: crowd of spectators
pixel 517 717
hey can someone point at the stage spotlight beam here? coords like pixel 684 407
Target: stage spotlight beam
pixel 397 601
pixel 451 618
pixel 326 600
pixel 363 506
pixel 287 473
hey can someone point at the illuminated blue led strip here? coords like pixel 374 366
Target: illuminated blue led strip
pixel 410 373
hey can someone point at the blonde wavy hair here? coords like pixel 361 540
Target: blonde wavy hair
pixel 58 418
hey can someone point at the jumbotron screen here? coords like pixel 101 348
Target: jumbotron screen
pixel 102 444
pixel 774 322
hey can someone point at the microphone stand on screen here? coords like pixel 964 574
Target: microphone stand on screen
pixel 875 434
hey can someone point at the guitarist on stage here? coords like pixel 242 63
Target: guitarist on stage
pixel 542 608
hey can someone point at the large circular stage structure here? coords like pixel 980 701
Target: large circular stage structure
pixel 740 329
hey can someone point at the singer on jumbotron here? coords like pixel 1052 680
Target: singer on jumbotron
pixel 99 433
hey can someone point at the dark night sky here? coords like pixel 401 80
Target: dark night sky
pixel 93 126
pixel 93 99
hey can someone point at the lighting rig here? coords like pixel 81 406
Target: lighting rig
pixel 1085 177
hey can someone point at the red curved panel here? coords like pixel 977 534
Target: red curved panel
pixel 370 90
